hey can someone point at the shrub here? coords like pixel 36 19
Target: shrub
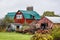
pixel 56 34
pixel 39 36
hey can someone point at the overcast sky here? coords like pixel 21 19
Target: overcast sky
pixel 39 5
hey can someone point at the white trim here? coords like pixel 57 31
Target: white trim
pixel 19 16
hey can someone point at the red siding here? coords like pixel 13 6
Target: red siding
pixel 50 24
pixel 22 20
pixel 29 20
pixel 19 20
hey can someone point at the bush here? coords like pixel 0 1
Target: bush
pixel 39 36
pixel 56 34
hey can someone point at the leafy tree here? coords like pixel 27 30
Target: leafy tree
pixel 56 33
pixel 49 13
pixel 5 22
pixel 8 20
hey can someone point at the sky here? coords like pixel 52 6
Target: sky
pixel 39 6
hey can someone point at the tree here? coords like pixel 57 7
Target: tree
pixel 8 20
pixel 49 13
pixel 4 22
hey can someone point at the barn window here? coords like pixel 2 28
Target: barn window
pixel 44 25
pixel 19 16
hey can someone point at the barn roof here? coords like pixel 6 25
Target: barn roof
pixel 27 14
pixel 11 15
pixel 54 19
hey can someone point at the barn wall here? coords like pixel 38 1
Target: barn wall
pixel 50 24
pixel 19 20
pixel 23 19
pixel 56 24
pixel 29 20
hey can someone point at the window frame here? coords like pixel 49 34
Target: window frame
pixel 19 16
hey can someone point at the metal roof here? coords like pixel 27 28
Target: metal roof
pixel 54 19
pixel 11 15
pixel 27 14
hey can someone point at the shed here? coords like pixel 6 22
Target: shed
pixel 48 22
pixel 44 23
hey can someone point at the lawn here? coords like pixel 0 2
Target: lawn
pixel 14 36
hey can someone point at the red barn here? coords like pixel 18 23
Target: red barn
pixel 24 16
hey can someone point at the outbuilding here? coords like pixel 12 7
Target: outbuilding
pixel 48 22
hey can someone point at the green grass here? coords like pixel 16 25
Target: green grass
pixel 14 36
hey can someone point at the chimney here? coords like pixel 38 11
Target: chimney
pixel 30 8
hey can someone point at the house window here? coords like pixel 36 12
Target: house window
pixel 19 16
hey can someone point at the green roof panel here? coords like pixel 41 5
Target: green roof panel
pixel 26 14
pixel 11 15
pixel 30 14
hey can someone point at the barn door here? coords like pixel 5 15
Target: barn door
pixel 44 25
pixel 17 27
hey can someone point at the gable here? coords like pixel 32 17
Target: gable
pixel 44 19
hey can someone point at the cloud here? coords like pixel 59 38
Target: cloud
pixel 39 5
